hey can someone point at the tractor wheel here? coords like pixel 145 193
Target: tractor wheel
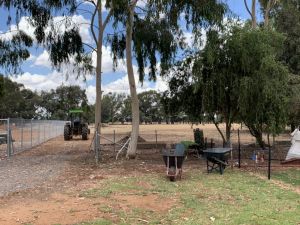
pixel 84 133
pixel 67 133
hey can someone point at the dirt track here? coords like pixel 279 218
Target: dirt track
pixel 41 166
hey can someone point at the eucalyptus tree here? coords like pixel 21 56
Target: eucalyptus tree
pixel 14 51
pixel 155 39
pixel 267 6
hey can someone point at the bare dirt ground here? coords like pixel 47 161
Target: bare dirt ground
pixel 42 186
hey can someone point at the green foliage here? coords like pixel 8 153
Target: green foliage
pixel 150 107
pixel 14 52
pixel 112 105
pixel 16 101
pixel 287 21
pixel 157 39
pixel 57 103
pixel 184 97
pixel 62 46
pixel 263 87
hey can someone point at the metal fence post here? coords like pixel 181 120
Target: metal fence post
pixel 44 131
pixel 239 143
pixel 269 162
pixel 156 139
pixel 114 140
pixel 22 134
pixel 39 136
pixel 31 133
pixel 8 141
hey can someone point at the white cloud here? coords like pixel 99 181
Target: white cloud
pixel 42 60
pixel 38 82
pixel 107 61
pixel 189 38
pixel 122 86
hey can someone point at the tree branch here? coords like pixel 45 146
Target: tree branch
pixel 90 46
pixel 107 19
pixel 219 130
pixel 93 21
pixel 247 8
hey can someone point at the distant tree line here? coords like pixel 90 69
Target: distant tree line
pixel 16 101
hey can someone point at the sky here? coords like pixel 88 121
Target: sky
pixel 39 75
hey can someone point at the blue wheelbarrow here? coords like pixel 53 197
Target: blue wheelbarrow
pixel 173 159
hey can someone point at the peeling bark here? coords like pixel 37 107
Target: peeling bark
pixel 131 153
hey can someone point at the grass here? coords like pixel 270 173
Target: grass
pixel 291 176
pixel 234 198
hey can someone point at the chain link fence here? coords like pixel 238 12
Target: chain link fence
pixel 17 134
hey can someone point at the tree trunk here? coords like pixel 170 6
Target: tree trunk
pixel 131 153
pixel 257 133
pixel 228 133
pixel 253 12
pixel 98 73
pixel 220 132
pixel 259 139
pixel 267 13
pixel 99 41
pixel 293 127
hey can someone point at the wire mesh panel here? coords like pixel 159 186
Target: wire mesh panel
pixel 24 134
pixel 3 138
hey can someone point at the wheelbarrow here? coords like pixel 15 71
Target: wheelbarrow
pixel 216 159
pixel 173 159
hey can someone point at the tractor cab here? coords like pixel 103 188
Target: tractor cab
pixel 76 125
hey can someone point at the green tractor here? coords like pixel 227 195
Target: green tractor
pixel 76 125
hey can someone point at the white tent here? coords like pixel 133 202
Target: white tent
pixel 294 151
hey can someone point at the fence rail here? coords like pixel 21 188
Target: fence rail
pixel 17 134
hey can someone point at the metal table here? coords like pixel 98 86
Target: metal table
pixel 216 159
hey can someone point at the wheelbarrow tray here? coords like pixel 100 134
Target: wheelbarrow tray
pixel 173 159
pixel 172 154
pixel 218 157
pixel 219 153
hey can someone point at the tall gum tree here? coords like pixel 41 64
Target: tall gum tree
pixel 155 39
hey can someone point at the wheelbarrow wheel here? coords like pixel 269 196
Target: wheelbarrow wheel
pixel 172 173
pixel 172 178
